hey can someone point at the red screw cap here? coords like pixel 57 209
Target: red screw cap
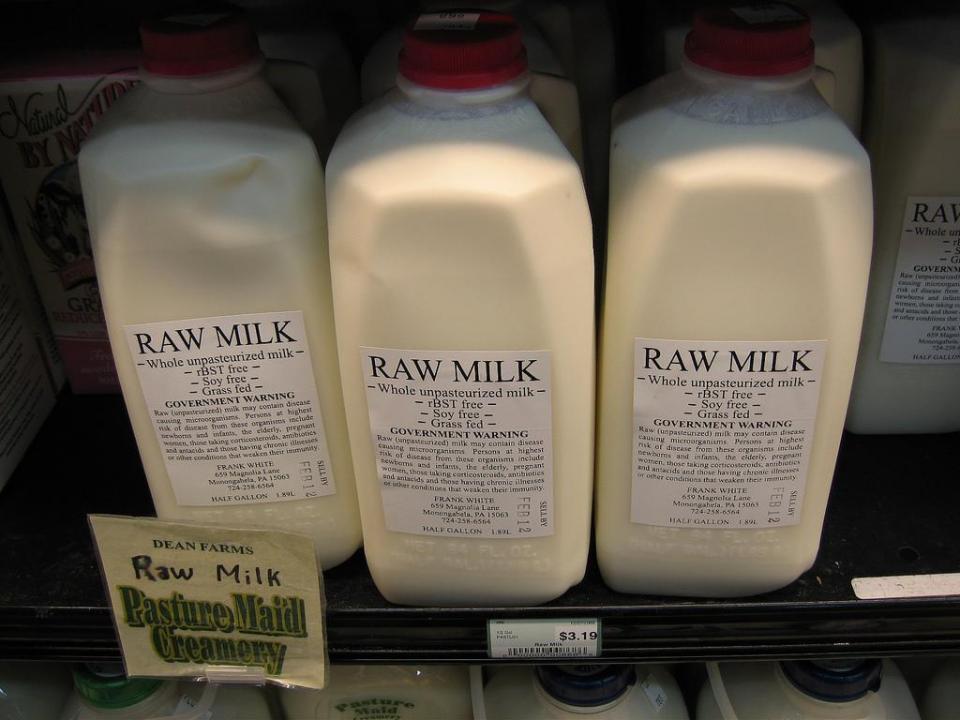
pixel 758 40
pixel 462 51
pixel 198 44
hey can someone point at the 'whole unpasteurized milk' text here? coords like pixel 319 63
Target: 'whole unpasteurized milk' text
pixel 739 248
pixel 206 208
pixel 463 285
pixel 908 372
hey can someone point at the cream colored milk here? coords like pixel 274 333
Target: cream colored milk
pixel 408 692
pixel 839 57
pixel 206 208
pixel 942 696
pixel 908 373
pixel 515 692
pixel 739 223
pixel 761 691
pixel 553 93
pixel 460 234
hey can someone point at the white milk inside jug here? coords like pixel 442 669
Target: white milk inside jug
pixel 566 692
pixel 463 285
pixel 103 693
pixel 33 691
pixel 205 203
pixel 358 692
pixel 738 254
pixel 941 700
pixel 908 372
pixel 838 50
pixel 806 690
pixel 550 89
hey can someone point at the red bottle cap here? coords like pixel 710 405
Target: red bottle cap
pixel 198 43
pixel 462 51
pixel 758 40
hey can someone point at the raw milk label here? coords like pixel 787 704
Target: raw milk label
pixel 722 431
pixel 234 404
pixel 923 317
pixel 463 440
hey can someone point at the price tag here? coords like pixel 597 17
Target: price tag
pixel 906 586
pixel 544 638
pixel 223 603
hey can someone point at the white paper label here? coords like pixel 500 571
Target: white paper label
pixel 923 317
pixel 234 405
pixel 544 638
pixel 764 13
pixel 187 704
pixel 447 21
pixel 654 692
pixel 906 586
pixel 722 431
pixel 463 440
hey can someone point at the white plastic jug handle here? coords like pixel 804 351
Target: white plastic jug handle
pixel 198 711
pixel 826 83
pixel 476 693
pixel 720 692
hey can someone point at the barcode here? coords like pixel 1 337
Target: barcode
pixel 535 651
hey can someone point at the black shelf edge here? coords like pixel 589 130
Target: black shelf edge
pixel 891 513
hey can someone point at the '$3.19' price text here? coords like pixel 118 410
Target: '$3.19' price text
pixel 571 635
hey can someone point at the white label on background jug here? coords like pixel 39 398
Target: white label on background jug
pixel 463 440
pixel 447 21
pixel 654 692
pixel 234 404
pixel 722 431
pixel 923 318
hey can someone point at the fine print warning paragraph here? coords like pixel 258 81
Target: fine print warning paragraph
pixel 234 404
pixel 463 440
pixel 923 317
pixel 723 431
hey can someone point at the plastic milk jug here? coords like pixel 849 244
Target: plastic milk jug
pixel 806 690
pixel 568 692
pixel 553 92
pixel 738 254
pixel 908 372
pixel 33 691
pixel 100 695
pixel 401 692
pixel 206 208
pixel 838 51
pixel 462 267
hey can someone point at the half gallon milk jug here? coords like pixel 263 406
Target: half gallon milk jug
pixel 362 692
pixel 941 701
pixel 206 210
pixel 739 248
pixel 33 691
pixel 806 690
pixel 908 373
pixel 838 55
pixel 106 695
pixel 554 94
pixel 463 287
pixel 567 692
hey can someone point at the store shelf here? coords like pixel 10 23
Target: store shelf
pixel 893 511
